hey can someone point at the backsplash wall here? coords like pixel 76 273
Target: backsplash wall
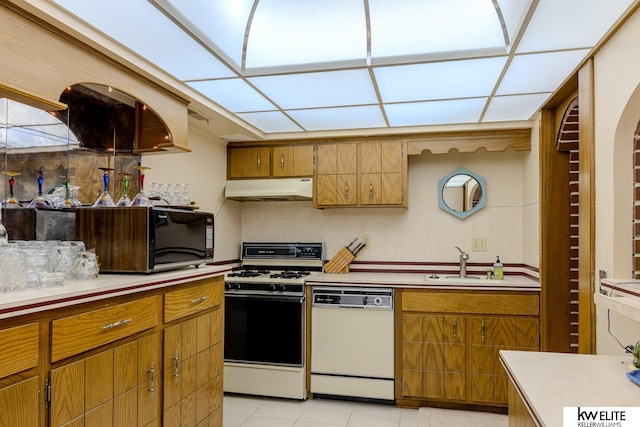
pixel 421 233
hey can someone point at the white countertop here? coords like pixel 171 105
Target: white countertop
pixel 106 286
pixel 548 382
pixel 414 280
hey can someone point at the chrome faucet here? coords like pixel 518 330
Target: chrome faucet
pixel 463 262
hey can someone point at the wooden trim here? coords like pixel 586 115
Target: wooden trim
pixel 29 98
pixel 459 302
pixel 586 245
pixel 435 142
pixel 554 239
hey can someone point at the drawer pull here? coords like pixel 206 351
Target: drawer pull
pixel 175 374
pixel 482 332
pixel 116 324
pixel 151 372
pixel 455 330
pixel 198 300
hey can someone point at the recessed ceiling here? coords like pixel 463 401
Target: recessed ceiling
pixel 299 67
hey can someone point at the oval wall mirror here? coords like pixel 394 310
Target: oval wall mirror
pixel 462 193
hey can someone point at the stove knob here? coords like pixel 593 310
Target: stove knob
pixel 272 287
pixel 377 301
pixel 282 287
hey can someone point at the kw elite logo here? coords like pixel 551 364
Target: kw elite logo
pixel 601 417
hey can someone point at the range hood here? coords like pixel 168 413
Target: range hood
pixel 269 189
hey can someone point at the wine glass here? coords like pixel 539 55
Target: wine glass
pixel 104 200
pixel 10 201
pixel 39 201
pixel 124 200
pixel 141 198
pixel 185 199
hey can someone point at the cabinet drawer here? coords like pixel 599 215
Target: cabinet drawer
pixel 76 334
pixel 524 304
pixel 184 302
pixel 18 349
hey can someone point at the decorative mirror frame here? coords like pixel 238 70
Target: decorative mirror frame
pixel 481 203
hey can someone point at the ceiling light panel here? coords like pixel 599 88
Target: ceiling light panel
pixel 339 118
pixel 435 112
pixel 405 28
pixel 233 94
pixel 322 89
pixel 271 122
pixel 570 24
pixel 222 22
pixel 439 80
pixel 542 72
pixel 514 13
pixel 288 33
pixel 514 107
pixel 142 28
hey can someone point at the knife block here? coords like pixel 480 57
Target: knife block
pixel 340 261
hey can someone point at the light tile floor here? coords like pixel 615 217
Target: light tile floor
pixel 240 411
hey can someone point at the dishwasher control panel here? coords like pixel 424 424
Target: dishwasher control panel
pixel 353 297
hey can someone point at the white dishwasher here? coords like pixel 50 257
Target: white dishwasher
pixel 352 345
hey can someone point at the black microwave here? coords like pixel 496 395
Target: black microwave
pixel 146 239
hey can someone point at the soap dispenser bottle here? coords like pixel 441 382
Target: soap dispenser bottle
pixel 498 269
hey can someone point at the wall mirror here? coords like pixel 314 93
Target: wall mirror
pixel 462 193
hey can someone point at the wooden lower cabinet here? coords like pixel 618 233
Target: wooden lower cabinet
pixel 112 363
pixel 115 387
pixel 450 351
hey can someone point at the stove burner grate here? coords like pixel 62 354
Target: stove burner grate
pixel 289 274
pixel 249 273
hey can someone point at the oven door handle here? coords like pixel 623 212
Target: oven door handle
pixel 296 299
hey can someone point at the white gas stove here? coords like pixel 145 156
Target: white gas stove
pixel 265 319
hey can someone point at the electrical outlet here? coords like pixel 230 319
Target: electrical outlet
pixel 479 244
pixel 366 239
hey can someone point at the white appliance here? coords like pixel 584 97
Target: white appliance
pixel 265 319
pixel 269 189
pixel 352 346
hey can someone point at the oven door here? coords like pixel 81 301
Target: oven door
pixel 264 329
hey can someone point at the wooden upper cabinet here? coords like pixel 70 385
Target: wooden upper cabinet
pixel 335 181
pixel 248 162
pixel 292 161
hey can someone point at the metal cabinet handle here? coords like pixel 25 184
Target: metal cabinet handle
pixel 281 161
pixel 371 189
pixel 198 300
pixel 259 162
pixel 116 324
pixel 346 190
pixel 175 374
pixel 151 371
pixel 455 330
pixel 482 330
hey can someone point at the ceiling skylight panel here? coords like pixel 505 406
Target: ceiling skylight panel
pixel 271 121
pixel 569 24
pixel 439 80
pixel 542 72
pixel 222 22
pixel 434 28
pixel 435 112
pixel 142 28
pixel 514 107
pixel 297 33
pixel 339 118
pixel 513 13
pixel 233 94
pixel 322 89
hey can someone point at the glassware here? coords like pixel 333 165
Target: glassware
pixel 124 200
pixel 141 198
pixel 4 237
pixel 185 199
pixel 39 201
pixel 13 268
pixel 10 201
pixel 104 200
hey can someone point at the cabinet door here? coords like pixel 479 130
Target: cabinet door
pixel 381 174
pixel 454 357
pixel 293 161
pixel 20 404
pixel 481 359
pixel 248 162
